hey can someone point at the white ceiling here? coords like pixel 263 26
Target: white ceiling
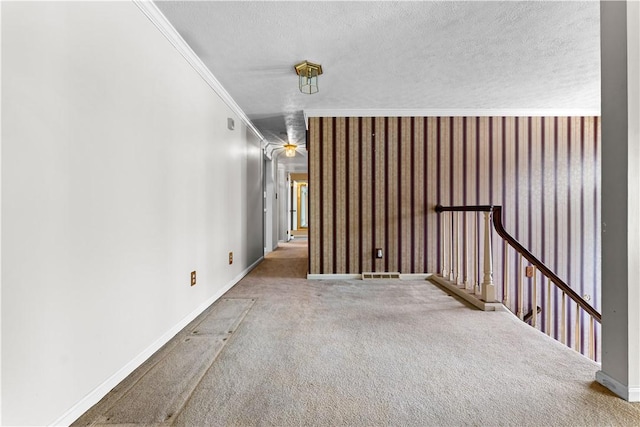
pixel 397 58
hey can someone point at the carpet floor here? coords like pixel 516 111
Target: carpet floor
pixel 279 350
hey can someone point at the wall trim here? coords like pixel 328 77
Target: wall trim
pixel 451 112
pixel 470 297
pixel 103 389
pixel 417 276
pixel 334 276
pixel 630 394
pixel 158 19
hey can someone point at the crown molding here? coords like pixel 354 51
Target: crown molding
pixel 452 112
pixel 158 19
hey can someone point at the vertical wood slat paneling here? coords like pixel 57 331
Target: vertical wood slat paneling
pixel 340 194
pixel 590 203
pixel 496 142
pixel 315 241
pixel 521 194
pixel 534 198
pixel 576 178
pixel 367 195
pixel 327 216
pixel 562 205
pixel 420 183
pixel 472 185
pixel 393 204
pixel 509 143
pixel 389 173
pixel 432 252
pixel 379 201
pixel 405 177
pixel 353 196
pixel 535 195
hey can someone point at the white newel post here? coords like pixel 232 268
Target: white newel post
pixel 488 288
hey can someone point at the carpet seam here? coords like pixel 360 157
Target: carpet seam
pixel 169 350
pixel 197 384
pixel 130 387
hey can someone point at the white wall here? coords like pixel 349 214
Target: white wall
pixel 620 46
pixel 119 177
pixel 294 206
pixel 271 207
pixel 283 190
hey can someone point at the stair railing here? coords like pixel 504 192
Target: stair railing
pixel 466 240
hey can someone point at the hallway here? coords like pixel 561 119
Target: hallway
pixel 280 350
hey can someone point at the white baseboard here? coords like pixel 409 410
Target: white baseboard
pixel 417 276
pixel 99 392
pixel 630 394
pixel 334 276
pixel 465 295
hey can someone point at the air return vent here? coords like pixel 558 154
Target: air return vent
pixel 369 276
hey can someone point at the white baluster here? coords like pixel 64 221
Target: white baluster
pixel 452 266
pixel 476 242
pixel 563 320
pixel 488 288
pixel 549 307
pixel 578 347
pixel 592 344
pixel 456 237
pixel 505 276
pixel 465 261
pixel 520 275
pixel 444 245
pixel 534 298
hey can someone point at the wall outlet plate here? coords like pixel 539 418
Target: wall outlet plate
pixel 193 278
pixel 230 258
pixel 528 271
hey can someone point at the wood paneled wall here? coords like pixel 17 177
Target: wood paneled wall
pixel 374 183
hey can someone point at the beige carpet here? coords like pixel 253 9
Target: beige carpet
pixel 278 350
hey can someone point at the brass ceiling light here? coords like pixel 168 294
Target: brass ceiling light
pixel 308 76
pixel 290 149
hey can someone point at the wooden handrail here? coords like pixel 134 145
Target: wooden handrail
pixel 497 224
pixel 482 208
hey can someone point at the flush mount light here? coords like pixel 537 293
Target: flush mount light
pixel 290 150
pixel 308 77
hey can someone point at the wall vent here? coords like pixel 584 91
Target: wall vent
pixel 369 276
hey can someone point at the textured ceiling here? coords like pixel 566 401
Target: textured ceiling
pixel 417 56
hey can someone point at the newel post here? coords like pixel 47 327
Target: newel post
pixel 488 293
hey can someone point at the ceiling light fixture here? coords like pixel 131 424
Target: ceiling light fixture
pixel 290 150
pixel 308 76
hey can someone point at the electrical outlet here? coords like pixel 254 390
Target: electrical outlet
pixel 230 258
pixel 528 271
pixel 193 278
pixel 378 253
